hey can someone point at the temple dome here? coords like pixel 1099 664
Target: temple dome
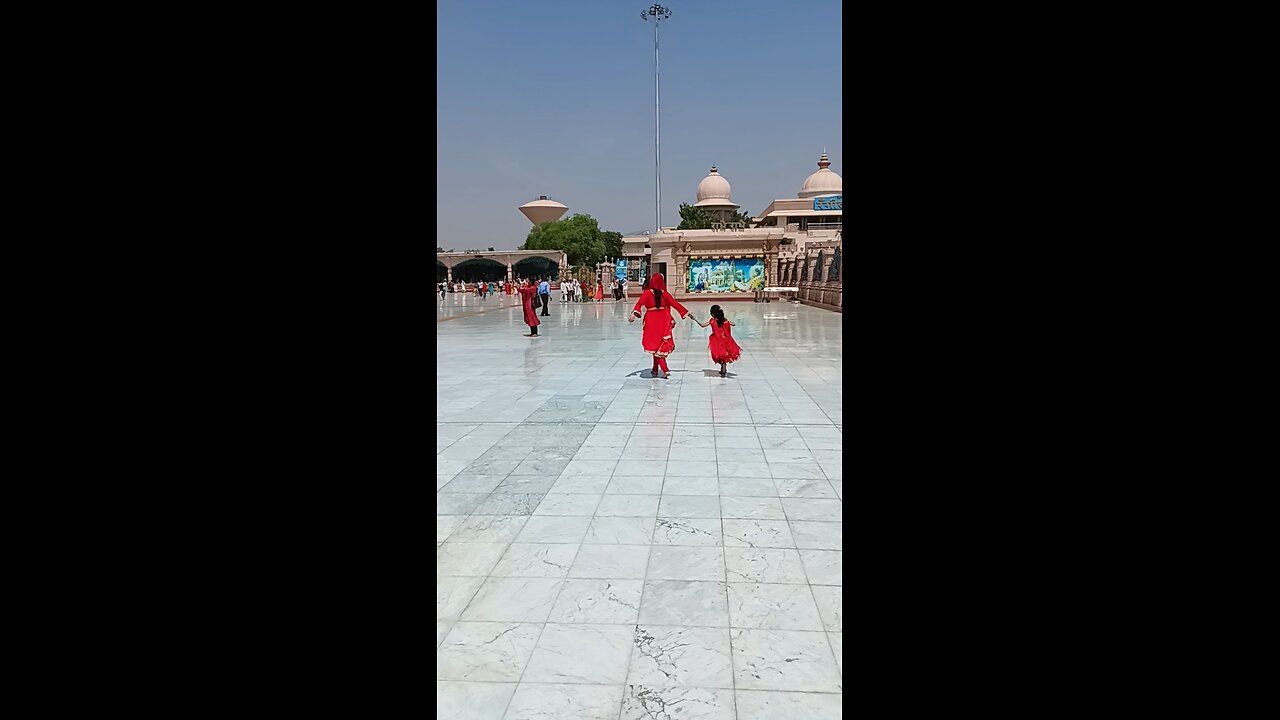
pixel 823 182
pixel 714 191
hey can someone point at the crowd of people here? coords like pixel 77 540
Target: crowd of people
pixel 654 306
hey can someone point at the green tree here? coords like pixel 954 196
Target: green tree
pixel 579 236
pixel 693 218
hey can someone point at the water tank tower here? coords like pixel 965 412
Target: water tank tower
pixel 543 210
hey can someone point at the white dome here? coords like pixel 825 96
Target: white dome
pixel 823 182
pixel 714 191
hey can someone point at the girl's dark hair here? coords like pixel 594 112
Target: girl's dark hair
pixel 657 297
pixel 718 314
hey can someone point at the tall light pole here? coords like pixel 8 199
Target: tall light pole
pixel 656 14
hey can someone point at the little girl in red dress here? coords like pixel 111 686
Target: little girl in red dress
pixel 723 349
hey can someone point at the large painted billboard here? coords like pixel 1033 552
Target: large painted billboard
pixel 719 276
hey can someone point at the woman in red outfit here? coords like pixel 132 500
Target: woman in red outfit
pixel 657 322
pixel 723 349
pixel 527 292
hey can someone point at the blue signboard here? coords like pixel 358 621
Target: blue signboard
pixel 830 202
pixel 620 270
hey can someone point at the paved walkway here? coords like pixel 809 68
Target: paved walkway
pixel 619 547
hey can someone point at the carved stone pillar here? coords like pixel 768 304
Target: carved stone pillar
pixel 508 272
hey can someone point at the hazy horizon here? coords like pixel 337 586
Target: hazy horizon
pixel 556 98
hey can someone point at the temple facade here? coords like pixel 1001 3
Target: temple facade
pixel 795 242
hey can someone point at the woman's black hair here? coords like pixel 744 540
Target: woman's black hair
pixel 718 314
pixel 657 297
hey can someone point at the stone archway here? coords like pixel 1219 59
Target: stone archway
pixel 442 271
pixel 536 267
pixel 480 269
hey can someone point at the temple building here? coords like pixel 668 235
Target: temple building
pixel 794 242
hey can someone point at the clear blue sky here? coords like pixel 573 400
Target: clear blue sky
pixel 555 97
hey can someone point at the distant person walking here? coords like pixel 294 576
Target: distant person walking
pixel 527 294
pixel 723 349
pixel 544 295
pixel 657 338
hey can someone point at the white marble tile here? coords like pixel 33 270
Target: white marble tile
pixel 446 524
pixel 509 504
pixel 592 654
pixel 634 485
pixel 837 646
pixel 816 509
pixel 554 529
pixel 551 701
pixel 535 560
pixel 823 567
pixel 618 562
pixel 525 484
pixel 764 565
pixel 591 468
pixel 795 470
pixel 568 504
pixel 489 528
pixel 682 485
pixel 781 607
pixel 690 468
pixel 646 702
pixel 514 600
pixel 686 563
pixel 486 651
pixel 453 593
pixel 818 535
pixel 687 531
pixel 598 601
pixel 805 487
pixel 468 558
pixel 766 705
pixel 472 700
pixel 757 533
pixel 563 420
pixel 628 506
pixel 692 453
pixel 540 466
pixel 634 456
pixel 685 602
pixel 751 508
pixel 482 476
pixel 666 655
pixel 792 660
pixel 580 484
pixel 748 487
pixel 620 531
pixel 702 506
pixel 448 503
pixel 830 600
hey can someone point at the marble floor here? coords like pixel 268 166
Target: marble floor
pixel 615 546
